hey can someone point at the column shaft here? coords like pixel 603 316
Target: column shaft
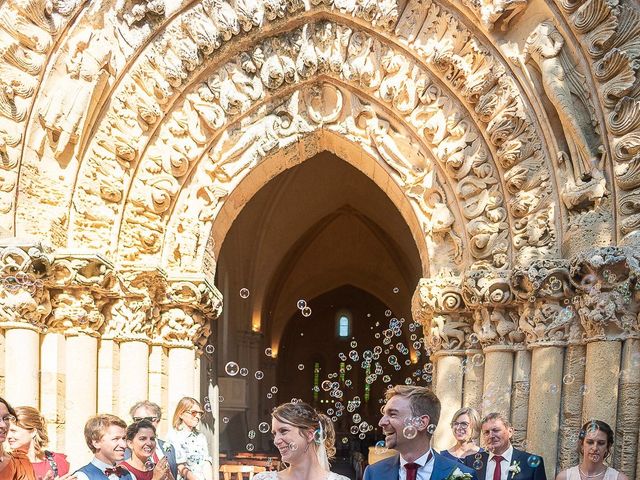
pixel 571 409
pixel 134 375
pixel 520 396
pixel 80 394
pixel 180 375
pixel 108 378
pixel 626 450
pixel 52 386
pixel 158 384
pixel 544 411
pixel 498 378
pixel 601 381
pixel 473 379
pixel 449 391
pixel 22 366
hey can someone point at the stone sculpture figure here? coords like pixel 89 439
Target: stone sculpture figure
pixel 63 116
pixel 564 86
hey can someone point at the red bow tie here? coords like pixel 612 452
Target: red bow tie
pixel 117 470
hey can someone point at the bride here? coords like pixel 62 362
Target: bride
pixel 305 439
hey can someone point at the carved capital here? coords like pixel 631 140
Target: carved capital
pixel 187 311
pixel 606 282
pixel 487 286
pixel 546 314
pixel 81 285
pixel 24 299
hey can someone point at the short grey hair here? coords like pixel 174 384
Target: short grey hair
pixel 146 404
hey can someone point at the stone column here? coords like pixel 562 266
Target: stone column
pixel 158 385
pixel 473 379
pixel 520 396
pixel 498 379
pixel 628 409
pixel 134 373
pixel 449 380
pixel 439 306
pixel 108 375
pixel 22 360
pixel 52 387
pixel 544 410
pixel 25 304
pixel 571 409
pixel 180 375
pixel 601 381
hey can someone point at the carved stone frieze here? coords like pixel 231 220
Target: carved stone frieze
pixel 493 12
pixel 608 32
pixel 24 299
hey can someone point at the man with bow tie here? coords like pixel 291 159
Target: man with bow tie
pixel 502 461
pixel 105 437
pixel 409 418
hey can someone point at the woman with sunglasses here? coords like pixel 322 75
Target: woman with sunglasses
pixel 14 465
pixel 464 425
pixel 191 447
pixel 29 435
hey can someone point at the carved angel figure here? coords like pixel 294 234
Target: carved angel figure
pixel 564 86
pixel 73 101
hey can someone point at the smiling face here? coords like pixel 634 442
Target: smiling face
pixel 191 418
pixel 291 442
pixel 496 436
pixel 110 448
pixel 4 427
pixel 20 438
pixel 594 446
pixel 395 414
pixel 143 444
pixel 461 427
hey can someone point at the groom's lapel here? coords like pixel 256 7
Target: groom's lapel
pixel 440 469
pixel 392 469
pixel 514 458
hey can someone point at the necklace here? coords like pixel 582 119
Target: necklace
pixel 594 475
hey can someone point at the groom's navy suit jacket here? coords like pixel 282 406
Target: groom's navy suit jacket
pixel 522 458
pixel 388 469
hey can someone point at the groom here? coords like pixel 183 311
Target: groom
pixel 408 420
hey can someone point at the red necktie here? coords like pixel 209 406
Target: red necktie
pixel 412 470
pixel 497 473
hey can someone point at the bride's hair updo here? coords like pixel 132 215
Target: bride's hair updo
pixel 305 417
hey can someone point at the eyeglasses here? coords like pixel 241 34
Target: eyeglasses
pixel 463 425
pixel 196 413
pixel 8 419
pixel 150 419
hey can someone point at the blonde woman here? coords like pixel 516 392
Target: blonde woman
pixel 191 447
pixel 306 442
pixel 465 425
pixel 29 434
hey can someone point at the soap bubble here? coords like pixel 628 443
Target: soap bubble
pixel 244 293
pixel 264 427
pixel 301 366
pixel 244 371
pixel 533 461
pixel 251 434
pixel 268 352
pixel 409 432
pixel 301 304
pixel 477 464
pixel 380 447
pixel 209 349
pixel 431 428
pixel 259 375
pixel 306 312
pixel 250 447
pixel 232 369
pixel 274 389
pixel 149 465
pixel 225 419
pixel 568 379
pixel 396 290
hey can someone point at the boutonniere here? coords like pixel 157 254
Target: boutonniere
pixel 458 474
pixel 514 468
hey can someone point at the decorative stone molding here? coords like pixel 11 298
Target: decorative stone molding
pixel 493 12
pixel 606 302
pixel 81 285
pixel 24 298
pixel 546 314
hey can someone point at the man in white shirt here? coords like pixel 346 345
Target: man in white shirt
pixel 105 437
pixel 408 421
pixel 502 461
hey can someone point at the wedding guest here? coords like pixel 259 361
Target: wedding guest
pixel 29 434
pixel 465 425
pixel 14 465
pixel 105 437
pixel 146 410
pixel 502 459
pixel 305 439
pixel 409 418
pixel 594 446
pixel 144 463
pixel 192 450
